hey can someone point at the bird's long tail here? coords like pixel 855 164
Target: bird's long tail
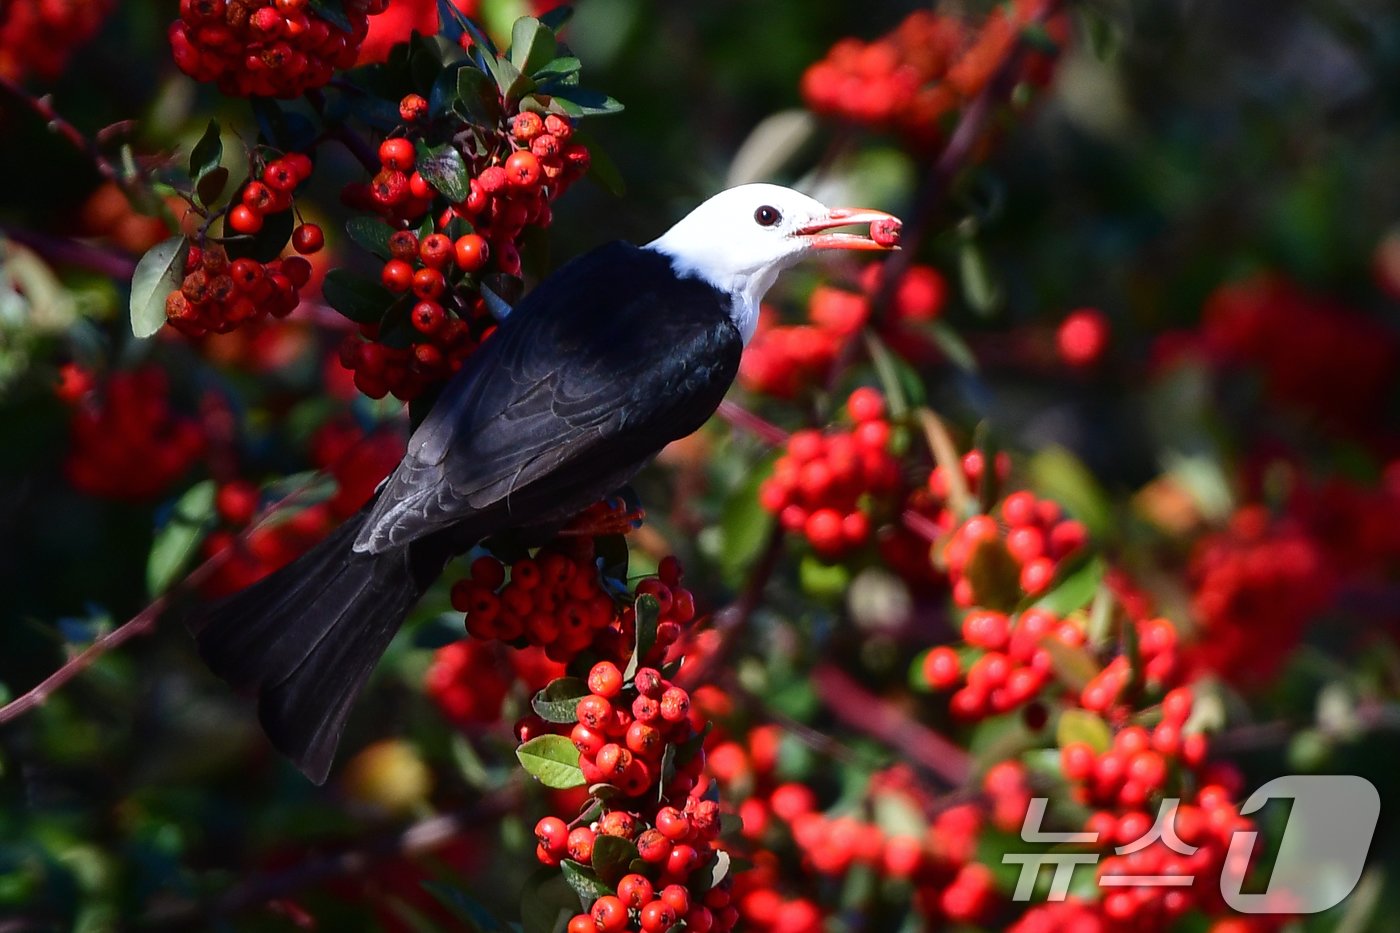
pixel 306 638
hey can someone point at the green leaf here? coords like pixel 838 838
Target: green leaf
pixel 1074 666
pixel 160 272
pixel 207 153
pixel 333 12
pixel 443 168
pixel 1080 725
pixel 668 770
pixel 547 902
pixel 178 541
pixel 901 383
pixel 552 760
pixel 566 66
pixel 370 233
pixel 982 292
pixel 603 170
pixel 744 525
pixel 1074 591
pixel 581 102
pixel 531 44
pixel 612 858
pixel 211 185
pixel 947 339
pixel 1060 475
pixel 480 97
pixel 896 815
pixel 359 299
pixel 648 613
pixel 265 245
pixel 584 882
pixel 558 701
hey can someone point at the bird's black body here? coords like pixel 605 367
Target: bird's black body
pixel 597 369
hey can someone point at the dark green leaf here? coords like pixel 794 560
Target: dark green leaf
pixel 1060 475
pixel 479 95
pixel 744 525
pixel 514 83
pixel 450 21
pixel 207 153
pixel 438 632
pixel 604 172
pixel 612 858
pixel 479 38
pixel 333 12
pixel 558 701
pixel 531 44
pixel 612 550
pixel 1073 665
pixel 557 17
pixel 211 185
pixel 668 770
pixel 648 612
pixel 174 545
pixel 982 292
pixel 160 272
pixel 1075 590
pixel 581 102
pixel 547 902
pixel 586 884
pixel 370 233
pixel 444 93
pixel 707 876
pixel 952 344
pixel 552 760
pixel 361 300
pixel 443 168
pixel 265 245
pixel 560 68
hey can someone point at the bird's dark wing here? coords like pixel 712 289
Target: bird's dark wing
pixel 606 362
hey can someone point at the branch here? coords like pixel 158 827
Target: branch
pixel 65 251
pixel 740 417
pixel 961 145
pixel 732 619
pixel 44 109
pixel 140 624
pixel 862 710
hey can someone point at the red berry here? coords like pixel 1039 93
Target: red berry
pixel 605 679
pixel 413 108
pixel 308 239
pixel 429 284
pixel 523 169
pixel 243 219
pixel 609 914
pixel 657 917
pixel 471 252
pixel 635 891
pixel 1083 337
pixel 580 844
pixel 942 668
pixel 435 250
pixel 397 275
pixel 397 154
pixel 866 404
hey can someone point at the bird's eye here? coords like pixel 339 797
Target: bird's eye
pixel 767 216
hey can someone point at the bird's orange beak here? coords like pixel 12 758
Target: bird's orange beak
pixel 884 230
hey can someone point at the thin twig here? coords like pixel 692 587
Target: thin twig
pixel 740 417
pixel 43 107
pixel 734 618
pixel 966 135
pixel 862 710
pixel 140 624
pixel 65 251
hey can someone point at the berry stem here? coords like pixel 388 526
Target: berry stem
pixel 43 107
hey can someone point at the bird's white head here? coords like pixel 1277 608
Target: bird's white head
pixel 740 239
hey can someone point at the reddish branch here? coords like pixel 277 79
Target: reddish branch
pixel 878 718
pixel 44 109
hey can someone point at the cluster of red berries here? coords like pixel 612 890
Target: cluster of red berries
pixel 126 442
pixel 783 360
pixel 1137 764
pixel 556 600
pixel 467 683
pixel 819 485
pixel 1256 585
pixel 267 48
pixel 38 35
pixel 1009 666
pixel 511 187
pixel 928 67
pixel 219 295
pixel 992 565
pixel 626 732
pixel 271 192
pixel 357 461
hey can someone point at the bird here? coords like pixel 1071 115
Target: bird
pixel 617 353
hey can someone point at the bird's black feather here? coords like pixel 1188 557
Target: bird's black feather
pixel 606 362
